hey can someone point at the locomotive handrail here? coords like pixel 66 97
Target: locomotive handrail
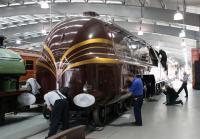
pixel 119 98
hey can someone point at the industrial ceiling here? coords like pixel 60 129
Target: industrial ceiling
pixel 26 20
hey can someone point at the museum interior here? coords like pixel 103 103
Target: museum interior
pixel 99 69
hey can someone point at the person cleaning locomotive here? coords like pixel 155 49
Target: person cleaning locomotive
pixel 184 84
pixel 57 103
pixel 171 96
pixel 163 59
pixel 136 88
pixel 33 86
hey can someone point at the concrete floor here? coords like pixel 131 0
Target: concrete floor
pixel 159 121
pixel 22 125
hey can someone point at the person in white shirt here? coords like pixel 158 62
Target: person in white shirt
pixel 184 84
pixel 34 86
pixel 57 103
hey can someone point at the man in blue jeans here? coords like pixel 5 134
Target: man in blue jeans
pixel 136 89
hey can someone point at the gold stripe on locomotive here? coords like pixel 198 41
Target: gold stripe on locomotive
pixel 90 41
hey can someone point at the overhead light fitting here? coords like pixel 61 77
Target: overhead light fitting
pixel 182 34
pixel 133 46
pixel 140 32
pixel 44 4
pixel 158 47
pixel 44 31
pixel 18 41
pixel 113 2
pixel 178 15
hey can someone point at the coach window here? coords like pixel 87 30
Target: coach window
pixel 29 65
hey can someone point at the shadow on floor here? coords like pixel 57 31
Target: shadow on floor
pixel 121 124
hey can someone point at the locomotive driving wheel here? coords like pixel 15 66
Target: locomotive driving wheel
pixel 99 116
pixel 2 116
pixel 127 104
pixel 119 108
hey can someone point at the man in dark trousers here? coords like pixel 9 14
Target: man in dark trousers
pixel 184 84
pixel 136 89
pixel 57 103
pixel 2 38
pixel 171 96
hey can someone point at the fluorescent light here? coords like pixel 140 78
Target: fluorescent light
pixel 140 32
pixel 18 41
pixel 30 2
pixel 1 5
pixel 182 34
pixel 60 1
pixel 14 4
pixel 133 46
pixel 44 31
pixel 95 1
pixel 178 16
pixel 44 4
pixel 77 1
pixel 113 2
pixel 158 47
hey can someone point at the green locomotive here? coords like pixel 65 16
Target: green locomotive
pixel 11 68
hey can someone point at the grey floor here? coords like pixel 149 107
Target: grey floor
pixel 159 121
pixel 22 125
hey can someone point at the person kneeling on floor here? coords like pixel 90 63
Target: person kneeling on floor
pixel 171 96
pixel 57 103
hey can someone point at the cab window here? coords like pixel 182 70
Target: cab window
pixel 29 65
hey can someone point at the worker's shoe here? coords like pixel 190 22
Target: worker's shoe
pixel 136 124
pixel 181 102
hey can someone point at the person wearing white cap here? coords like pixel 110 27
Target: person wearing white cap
pixel 57 103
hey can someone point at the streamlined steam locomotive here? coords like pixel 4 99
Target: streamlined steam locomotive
pixel 89 52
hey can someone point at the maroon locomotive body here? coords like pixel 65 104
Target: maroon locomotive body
pixel 86 51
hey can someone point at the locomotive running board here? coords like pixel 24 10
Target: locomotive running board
pixel 117 99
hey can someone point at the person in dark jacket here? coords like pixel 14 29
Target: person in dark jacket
pixel 171 96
